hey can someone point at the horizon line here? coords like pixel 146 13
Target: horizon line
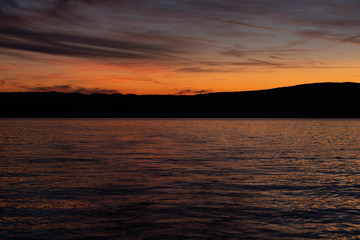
pixel 196 94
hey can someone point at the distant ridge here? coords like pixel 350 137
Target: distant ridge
pixel 318 100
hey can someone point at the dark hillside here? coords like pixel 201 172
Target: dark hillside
pixel 310 100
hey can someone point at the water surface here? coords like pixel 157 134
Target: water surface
pixel 179 179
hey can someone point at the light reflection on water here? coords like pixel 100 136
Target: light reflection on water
pixel 179 179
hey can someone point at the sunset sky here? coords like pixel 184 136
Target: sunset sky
pixel 176 47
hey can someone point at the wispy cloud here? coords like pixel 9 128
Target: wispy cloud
pixel 77 45
pixel 353 39
pixel 198 69
pixel 68 89
pixel 190 91
pixel 244 24
pixel 332 36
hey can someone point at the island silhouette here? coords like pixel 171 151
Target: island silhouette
pixel 317 100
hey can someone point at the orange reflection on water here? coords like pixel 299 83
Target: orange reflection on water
pixel 137 179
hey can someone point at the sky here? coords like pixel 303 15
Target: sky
pixel 176 47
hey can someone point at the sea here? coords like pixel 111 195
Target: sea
pixel 179 179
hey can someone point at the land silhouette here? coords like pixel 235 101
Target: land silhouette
pixel 318 100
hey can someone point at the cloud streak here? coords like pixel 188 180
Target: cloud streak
pixel 78 46
pixel 69 89
pixel 190 91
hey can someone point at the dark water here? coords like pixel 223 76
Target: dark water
pixel 179 179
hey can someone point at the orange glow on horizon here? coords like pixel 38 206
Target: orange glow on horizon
pixel 152 79
pixel 176 48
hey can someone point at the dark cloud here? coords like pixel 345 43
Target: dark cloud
pixel 95 90
pixel 196 70
pixel 32 27
pixel 219 67
pixel 77 45
pixel 2 82
pixel 331 36
pixel 69 89
pixel 248 62
pixel 244 24
pixel 190 91
pixel 353 39
pixel 266 63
